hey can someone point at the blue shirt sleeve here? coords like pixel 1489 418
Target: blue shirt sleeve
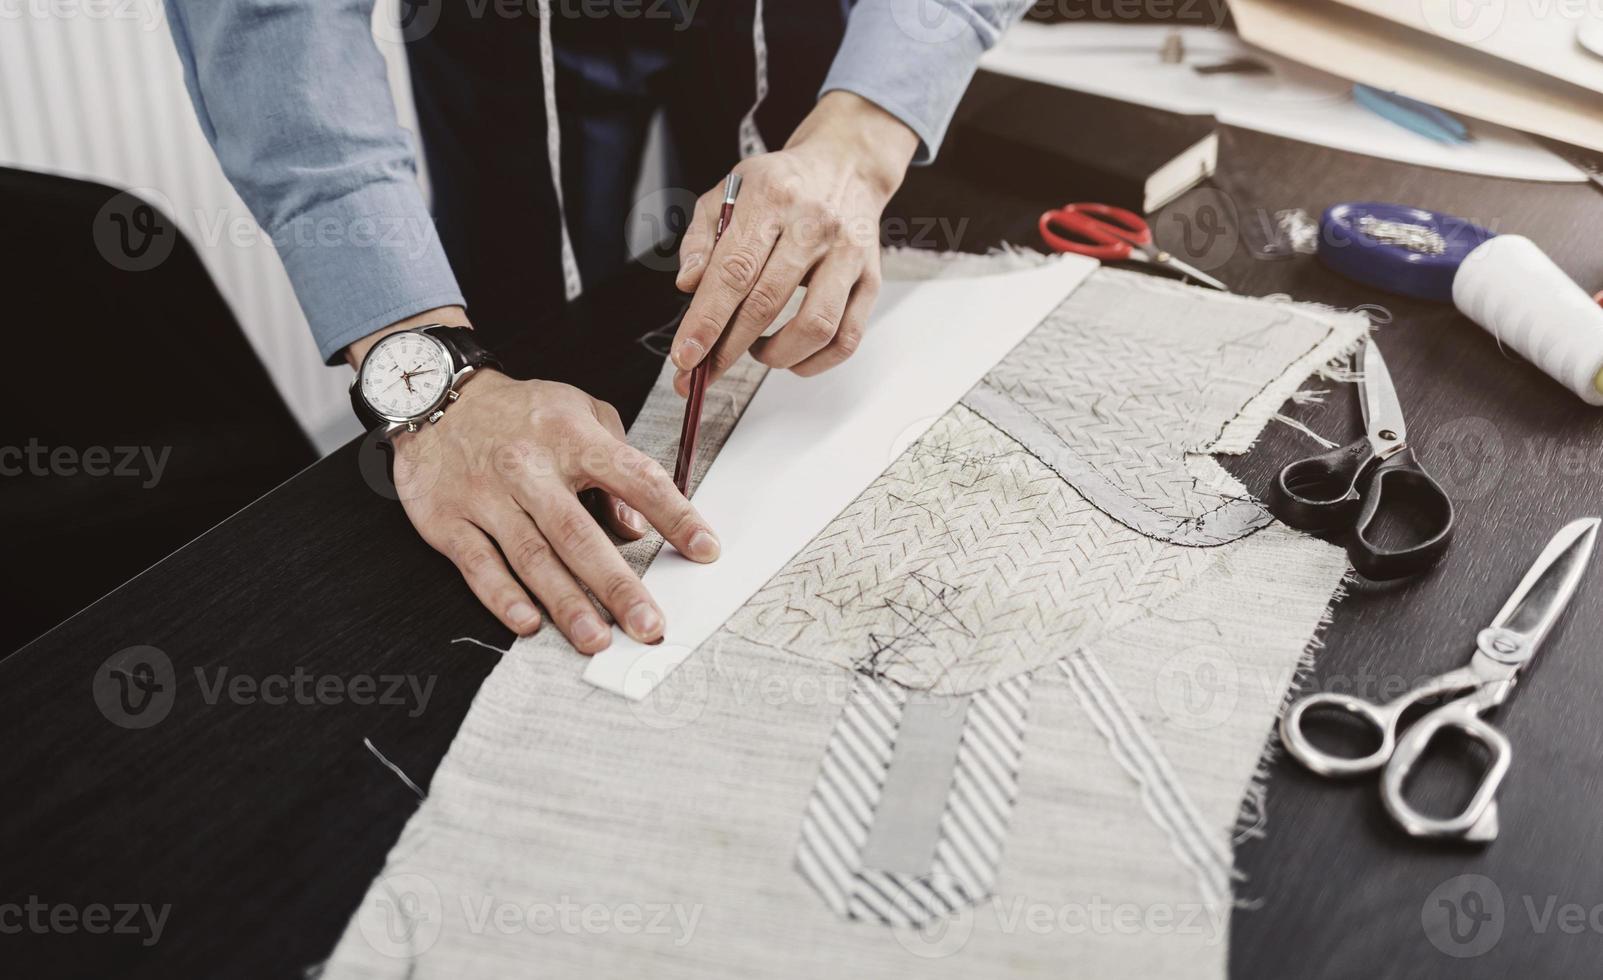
pixel 914 58
pixel 294 97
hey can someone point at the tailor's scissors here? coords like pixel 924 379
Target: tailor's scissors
pixel 1501 650
pixel 1373 479
pixel 1111 234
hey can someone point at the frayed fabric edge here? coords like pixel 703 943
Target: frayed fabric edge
pixel 1253 815
pixel 1240 434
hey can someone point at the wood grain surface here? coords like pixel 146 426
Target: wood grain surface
pixel 260 825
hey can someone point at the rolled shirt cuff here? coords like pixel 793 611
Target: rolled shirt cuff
pixel 914 59
pixel 364 260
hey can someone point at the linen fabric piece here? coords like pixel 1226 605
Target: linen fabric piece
pixel 570 833
pixel 1045 510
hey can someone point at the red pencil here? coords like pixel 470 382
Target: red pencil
pixel 686 460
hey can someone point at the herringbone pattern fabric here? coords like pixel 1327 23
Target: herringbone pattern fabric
pixel 965 563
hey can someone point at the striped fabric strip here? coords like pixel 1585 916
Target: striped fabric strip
pixel 973 825
pixel 1199 848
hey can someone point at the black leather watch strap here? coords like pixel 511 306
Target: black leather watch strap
pixel 365 415
pixel 464 347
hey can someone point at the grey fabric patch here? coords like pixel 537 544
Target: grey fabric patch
pixel 1232 518
pixel 908 821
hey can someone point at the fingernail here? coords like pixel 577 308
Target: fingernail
pixel 703 546
pixel 588 631
pixel 523 615
pixel 691 263
pixel 644 620
pixel 631 517
pixel 688 354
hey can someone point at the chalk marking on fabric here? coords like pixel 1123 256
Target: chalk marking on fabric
pixel 392 767
pixel 1231 520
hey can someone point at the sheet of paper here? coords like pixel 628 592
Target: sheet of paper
pixel 1457 78
pixel 1294 100
pixel 806 447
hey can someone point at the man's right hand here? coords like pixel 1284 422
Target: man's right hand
pixel 494 486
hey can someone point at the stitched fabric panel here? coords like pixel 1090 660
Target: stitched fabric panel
pixel 969 561
pixel 971 818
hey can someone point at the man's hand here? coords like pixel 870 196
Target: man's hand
pixel 495 484
pixel 808 214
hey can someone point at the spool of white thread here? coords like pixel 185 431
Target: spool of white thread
pixel 1518 295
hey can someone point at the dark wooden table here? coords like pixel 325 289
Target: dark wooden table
pixel 260 825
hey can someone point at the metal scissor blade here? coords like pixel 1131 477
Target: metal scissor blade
pixel 1383 413
pixel 1550 584
pixel 1196 274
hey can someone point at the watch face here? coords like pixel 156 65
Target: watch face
pixel 405 375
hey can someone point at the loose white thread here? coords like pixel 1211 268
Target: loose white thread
pixel 392 767
pixel 1303 428
pixel 478 642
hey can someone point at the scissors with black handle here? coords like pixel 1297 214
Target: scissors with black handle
pixel 1375 480
pixel 1502 650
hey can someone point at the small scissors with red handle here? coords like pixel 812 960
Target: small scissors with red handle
pixel 1112 234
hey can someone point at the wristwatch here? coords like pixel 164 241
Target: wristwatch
pixel 410 376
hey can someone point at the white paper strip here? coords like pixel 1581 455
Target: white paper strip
pixel 806 447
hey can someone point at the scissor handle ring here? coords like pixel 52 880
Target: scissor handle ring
pixel 1478 820
pixel 1111 240
pixel 1319 493
pixel 1383 718
pixel 1402 477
